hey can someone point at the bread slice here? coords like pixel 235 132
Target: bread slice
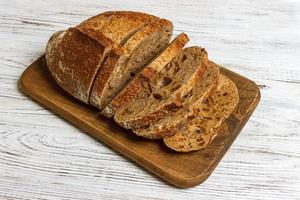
pixel 201 130
pixel 175 121
pixel 121 66
pixel 75 56
pixel 166 91
pixel 133 88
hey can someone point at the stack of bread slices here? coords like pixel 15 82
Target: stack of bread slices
pixel 124 64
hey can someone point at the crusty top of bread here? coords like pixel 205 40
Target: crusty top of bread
pixel 178 120
pixel 117 26
pixel 133 88
pixel 166 89
pixel 201 130
pixel 72 59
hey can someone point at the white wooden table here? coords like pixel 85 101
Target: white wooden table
pixel 44 157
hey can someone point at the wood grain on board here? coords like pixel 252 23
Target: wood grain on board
pixel 181 169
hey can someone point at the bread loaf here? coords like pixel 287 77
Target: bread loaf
pixel 166 90
pixel 75 56
pixel 122 63
pixel 134 87
pixel 201 130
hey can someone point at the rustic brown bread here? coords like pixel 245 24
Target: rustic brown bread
pixel 176 121
pixel 201 130
pixel 121 66
pixel 166 91
pixel 133 88
pixel 75 56
pixel 72 59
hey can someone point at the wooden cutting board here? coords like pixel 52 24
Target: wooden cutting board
pixel 181 169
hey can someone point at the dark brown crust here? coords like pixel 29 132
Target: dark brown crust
pixel 96 35
pixel 76 62
pixel 137 17
pixel 118 30
pixel 132 89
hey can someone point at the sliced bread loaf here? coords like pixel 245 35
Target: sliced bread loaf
pixel 75 56
pixel 166 90
pixel 133 88
pixel 201 130
pixel 121 66
pixel 176 121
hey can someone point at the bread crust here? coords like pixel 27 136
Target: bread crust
pixel 136 85
pixel 73 59
pixel 116 26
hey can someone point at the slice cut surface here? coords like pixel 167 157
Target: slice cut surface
pixel 176 121
pixel 166 90
pixel 201 130
pixel 121 66
pixel 133 88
